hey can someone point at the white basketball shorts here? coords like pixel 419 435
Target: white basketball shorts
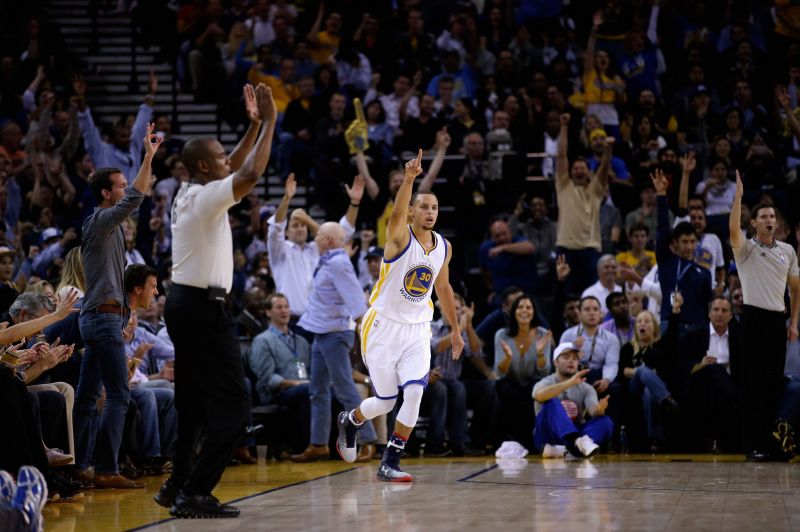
pixel 396 354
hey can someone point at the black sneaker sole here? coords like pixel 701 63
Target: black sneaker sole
pixel 195 514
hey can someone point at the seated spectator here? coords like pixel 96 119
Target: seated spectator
pixel 599 347
pixel 8 290
pixel 717 192
pixel 464 85
pixel 417 49
pixel 644 364
pixel 532 222
pixel 562 402
pixel 636 262
pixel 421 130
pixel 297 130
pixel 54 244
pixel 618 174
pixel 525 360
pixel 506 261
pixel 621 324
pixel 283 86
pixel 446 395
pixel 715 358
pixel 281 360
pixel 402 104
pixel 374 257
pixel 496 320
pixel 252 321
pixel 607 282
pixel 697 125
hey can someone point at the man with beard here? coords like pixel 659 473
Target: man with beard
pixel 562 401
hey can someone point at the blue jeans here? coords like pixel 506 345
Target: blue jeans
pixel 159 425
pixel 553 423
pixel 448 408
pixel 330 366
pixel 103 365
pixel 651 388
pixel 789 405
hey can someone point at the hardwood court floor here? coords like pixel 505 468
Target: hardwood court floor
pixel 636 492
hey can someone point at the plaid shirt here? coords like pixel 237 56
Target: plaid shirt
pixel 451 369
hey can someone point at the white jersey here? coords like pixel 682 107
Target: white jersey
pixel 403 290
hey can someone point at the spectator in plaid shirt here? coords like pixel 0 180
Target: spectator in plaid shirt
pixel 446 395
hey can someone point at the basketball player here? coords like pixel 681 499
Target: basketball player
pixel 396 330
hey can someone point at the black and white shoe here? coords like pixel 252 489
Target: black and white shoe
pixel 347 442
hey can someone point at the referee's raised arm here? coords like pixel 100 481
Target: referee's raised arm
pixel 246 177
pixel 735 219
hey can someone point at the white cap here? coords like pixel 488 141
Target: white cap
pixel 563 348
pixel 50 232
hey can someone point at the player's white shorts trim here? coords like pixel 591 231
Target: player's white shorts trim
pixel 396 354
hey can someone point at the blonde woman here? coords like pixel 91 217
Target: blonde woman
pixel 645 362
pixel 72 275
pixel 44 288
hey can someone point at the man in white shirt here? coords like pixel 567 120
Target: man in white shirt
pixel 606 281
pixel 713 393
pixel 400 104
pixel 291 257
pixel 210 395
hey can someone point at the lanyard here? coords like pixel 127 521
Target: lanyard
pixel 594 341
pixel 680 273
pixel 293 346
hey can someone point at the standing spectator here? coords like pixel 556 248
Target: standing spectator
pixel 324 44
pixel 402 103
pixel 421 130
pixel 579 198
pixel 677 271
pixel 335 300
pixel 506 261
pixel 602 88
pixel 766 268
pixel 417 48
pixel 211 398
pixel 125 149
pixel 102 319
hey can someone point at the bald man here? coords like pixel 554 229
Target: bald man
pixel 336 300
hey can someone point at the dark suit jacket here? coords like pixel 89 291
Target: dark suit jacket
pixel 695 346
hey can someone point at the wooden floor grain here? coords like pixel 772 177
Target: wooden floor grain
pixel 636 492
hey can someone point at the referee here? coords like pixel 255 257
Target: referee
pixel 210 395
pixel 766 266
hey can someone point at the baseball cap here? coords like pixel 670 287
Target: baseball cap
pixel 5 250
pixel 563 348
pixel 50 232
pixel 374 251
pixel 700 89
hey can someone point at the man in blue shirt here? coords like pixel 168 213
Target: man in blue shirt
pixel 336 300
pixel 280 360
pixel 507 261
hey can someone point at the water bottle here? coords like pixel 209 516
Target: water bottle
pixel 623 440
pixel 301 371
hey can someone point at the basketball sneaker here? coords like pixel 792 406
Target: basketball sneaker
pixel 388 473
pixel 554 451
pixel 586 446
pixel 347 442
pixel 31 496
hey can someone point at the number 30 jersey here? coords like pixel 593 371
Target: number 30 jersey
pixel 403 290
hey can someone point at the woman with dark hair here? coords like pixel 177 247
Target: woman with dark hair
pixel 464 121
pixel 379 133
pixel 735 133
pixel 526 359
pixel 644 145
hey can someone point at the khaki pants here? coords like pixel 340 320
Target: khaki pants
pixel 69 397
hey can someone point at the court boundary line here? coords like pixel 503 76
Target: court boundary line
pixel 468 478
pixel 246 497
pixel 637 488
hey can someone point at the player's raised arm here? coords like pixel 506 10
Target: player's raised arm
pixel 396 234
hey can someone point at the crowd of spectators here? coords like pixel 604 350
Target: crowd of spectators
pixel 613 237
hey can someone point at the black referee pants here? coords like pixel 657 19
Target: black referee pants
pixel 763 360
pixel 210 396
